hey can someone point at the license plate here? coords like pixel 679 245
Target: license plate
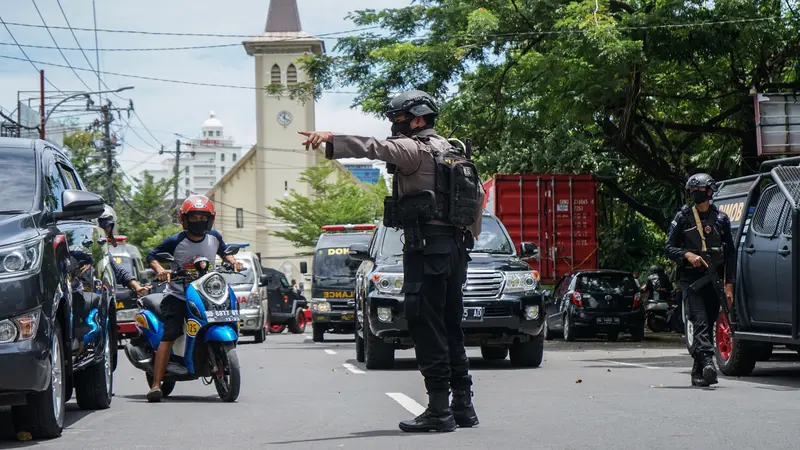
pixel 608 320
pixel 347 317
pixel 222 316
pixel 473 314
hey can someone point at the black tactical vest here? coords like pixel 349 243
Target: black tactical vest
pixel 709 233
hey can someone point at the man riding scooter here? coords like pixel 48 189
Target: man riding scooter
pixel 108 222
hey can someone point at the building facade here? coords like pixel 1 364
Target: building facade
pixel 214 154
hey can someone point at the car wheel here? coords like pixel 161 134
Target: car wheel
pixel 319 333
pixel 612 336
pixel 734 357
pixel 637 333
pixel 378 355
pixel 528 354
pixel 261 335
pixel 298 324
pixel 494 353
pixel 688 336
pixel 166 386
pixel 277 329
pixel 569 330
pixel 549 335
pixel 764 352
pixel 113 331
pixel 360 356
pixel 95 384
pixel 43 415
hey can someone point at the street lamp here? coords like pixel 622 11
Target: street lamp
pixel 82 94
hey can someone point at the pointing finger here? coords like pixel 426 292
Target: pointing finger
pixel 305 133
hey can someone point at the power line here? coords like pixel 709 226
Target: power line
pixel 97 54
pixel 56 44
pixel 130 49
pixel 170 33
pixel 74 36
pixel 5 24
pixel 146 129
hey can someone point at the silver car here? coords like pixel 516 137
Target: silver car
pixel 251 297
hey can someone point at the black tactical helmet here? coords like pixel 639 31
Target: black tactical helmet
pixel 654 270
pixel 701 180
pixel 416 103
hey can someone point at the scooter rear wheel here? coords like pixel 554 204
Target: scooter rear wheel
pixel 166 386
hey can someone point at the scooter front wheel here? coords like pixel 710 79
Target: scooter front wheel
pixel 227 376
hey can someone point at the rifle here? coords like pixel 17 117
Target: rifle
pixel 711 276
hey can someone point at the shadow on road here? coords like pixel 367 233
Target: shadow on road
pixel 410 364
pixel 356 435
pixel 142 398
pixel 651 340
pixel 8 438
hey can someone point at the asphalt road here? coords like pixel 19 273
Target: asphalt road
pixel 298 394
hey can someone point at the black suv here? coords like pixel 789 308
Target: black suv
pixel 503 306
pixel 57 321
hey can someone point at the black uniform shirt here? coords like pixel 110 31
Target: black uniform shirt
pixel 677 247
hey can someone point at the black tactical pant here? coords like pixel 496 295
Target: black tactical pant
pixel 703 310
pixel 434 306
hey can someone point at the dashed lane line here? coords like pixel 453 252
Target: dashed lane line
pixel 407 402
pixel 330 352
pixel 352 368
pixel 641 366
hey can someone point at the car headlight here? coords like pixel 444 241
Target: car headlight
pixel 388 283
pixel 21 259
pixel 253 301
pixel 216 288
pixel 521 281
pixel 20 328
pixel 320 306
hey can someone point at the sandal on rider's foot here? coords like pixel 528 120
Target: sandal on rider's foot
pixel 154 396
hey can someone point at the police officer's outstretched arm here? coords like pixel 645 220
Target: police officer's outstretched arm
pixel 402 152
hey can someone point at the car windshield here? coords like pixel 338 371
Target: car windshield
pixel 617 283
pixel 18 178
pixel 125 262
pixel 245 277
pixel 334 262
pixel 491 240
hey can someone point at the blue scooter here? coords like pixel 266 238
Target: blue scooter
pixel 207 349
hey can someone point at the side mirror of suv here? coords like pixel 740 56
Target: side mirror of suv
pixel 359 252
pixel 527 250
pixel 232 250
pixel 264 280
pixel 303 267
pixel 80 205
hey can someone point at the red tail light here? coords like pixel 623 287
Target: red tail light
pixel 637 300
pixel 576 299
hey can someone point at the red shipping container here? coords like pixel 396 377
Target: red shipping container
pixel 558 213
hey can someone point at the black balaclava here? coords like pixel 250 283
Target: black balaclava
pixel 402 128
pixel 197 228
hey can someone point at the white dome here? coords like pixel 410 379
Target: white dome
pixel 212 122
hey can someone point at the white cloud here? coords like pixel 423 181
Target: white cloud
pixel 169 108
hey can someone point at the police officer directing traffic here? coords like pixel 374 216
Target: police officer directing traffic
pixel 700 241
pixel 437 200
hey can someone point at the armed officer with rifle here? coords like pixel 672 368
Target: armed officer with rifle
pixel 437 200
pixel 701 243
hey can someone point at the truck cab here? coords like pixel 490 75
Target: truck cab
pixel 765 311
pixel 333 278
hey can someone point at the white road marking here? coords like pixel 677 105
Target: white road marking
pixel 330 352
pixel 352 368
pixel 407 402
pixel 641 366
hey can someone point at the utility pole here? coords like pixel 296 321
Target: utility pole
pixel 109 144
pixel 175 172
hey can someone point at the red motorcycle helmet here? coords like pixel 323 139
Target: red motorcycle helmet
pixel 197 204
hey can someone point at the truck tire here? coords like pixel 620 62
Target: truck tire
pixel 95 384
pixel 494 353
pixel 569 331
pixel 43 415
pixel 734 357
pixel 378 355
pixel 319 334
pixel 261 335
pixel 528 354
pixel 298 324
pixel 277 329
pixel 548 334
pixel 764 352
pixel 360 356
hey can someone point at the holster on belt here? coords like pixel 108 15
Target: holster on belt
pixel 413 275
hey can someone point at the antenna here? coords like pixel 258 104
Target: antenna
pixel 454 131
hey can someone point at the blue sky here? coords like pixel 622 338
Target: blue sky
pixel 168 108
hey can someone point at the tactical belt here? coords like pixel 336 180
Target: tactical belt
pixel 439 230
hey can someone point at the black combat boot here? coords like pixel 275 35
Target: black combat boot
pixel 437 417
pixel 697 373
pixel 463 409
pixel 709 371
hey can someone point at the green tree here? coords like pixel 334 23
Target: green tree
pixel 641 93
pixel 90 164
pixel 343 201
pixel 145 218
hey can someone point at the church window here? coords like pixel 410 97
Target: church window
pixel 234 157
pixel 291 75
pixel 275 75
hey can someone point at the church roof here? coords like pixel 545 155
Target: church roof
pixel 283 16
